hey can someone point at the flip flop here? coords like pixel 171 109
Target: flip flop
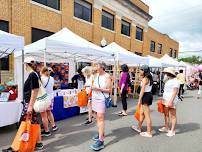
pixel 122 114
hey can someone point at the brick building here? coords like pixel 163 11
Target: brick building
pixel 122 21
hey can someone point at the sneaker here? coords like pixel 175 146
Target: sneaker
pixel 98 145
pixel 39 146
pixel 45 134
pixel 55 128
pixel 170 134
pixel 88 122
pixel 136 128
pixel 145 134
pixel 163 129
pixel 95 137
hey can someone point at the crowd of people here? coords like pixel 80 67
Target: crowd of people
pixel 98 84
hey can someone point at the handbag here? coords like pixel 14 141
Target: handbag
pixel 160 106
pixel 108 100
pixel 137 113
pixel 26 137
pixel 82 98
pixel 43 100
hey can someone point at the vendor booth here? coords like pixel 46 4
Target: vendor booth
pixel 10 108
pixel 64 47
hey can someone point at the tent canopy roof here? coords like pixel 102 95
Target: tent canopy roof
pixel 125 56
pixel 9 43
pixel 65 45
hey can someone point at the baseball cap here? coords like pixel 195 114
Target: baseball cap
pixel 29 59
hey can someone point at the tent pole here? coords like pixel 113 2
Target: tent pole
pixel 23 74
pixel 115 79
pixel 45 57
pixel 160 82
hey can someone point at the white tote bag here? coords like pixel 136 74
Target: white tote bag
pixel 43 100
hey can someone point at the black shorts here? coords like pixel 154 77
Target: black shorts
pixel 147 98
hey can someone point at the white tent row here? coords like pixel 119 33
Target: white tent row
pixel 9 43
pixel 64 46
pixel 124 56
pixel 168 61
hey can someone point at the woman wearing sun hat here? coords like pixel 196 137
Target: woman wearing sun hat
pixel 170 100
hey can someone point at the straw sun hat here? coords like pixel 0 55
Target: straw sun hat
pixel 169 70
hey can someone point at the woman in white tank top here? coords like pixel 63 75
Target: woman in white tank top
pixel 145 100
pixel 101 89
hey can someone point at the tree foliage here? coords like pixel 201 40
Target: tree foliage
pixel 193 60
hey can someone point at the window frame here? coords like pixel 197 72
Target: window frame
pixel 152 42
pixel 129 25
pixel 82 3
pixel 5 61
pixel 171 52
pixel 48 33
pixel 108 15
pixel 140 30
pixel 46 4
pixel 161 47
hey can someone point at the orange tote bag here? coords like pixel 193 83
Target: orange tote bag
pixel 82 98
pixel 26 137
pixel 160 106
pixel 137 113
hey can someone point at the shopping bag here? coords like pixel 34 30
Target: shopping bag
pixel 26 137
pixel 137 113
pixel 82 98
pixel 43 100
pixel 160 106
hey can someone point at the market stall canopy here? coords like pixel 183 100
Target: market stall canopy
pixel 154 62
pixel 125 56
pixel 65 45
pixel 168 61
pixel 10 43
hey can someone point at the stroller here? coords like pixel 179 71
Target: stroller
pixel 192 85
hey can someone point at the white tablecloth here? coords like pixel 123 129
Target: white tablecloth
pixel 10 112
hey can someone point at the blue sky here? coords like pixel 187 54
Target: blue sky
pixel 180 19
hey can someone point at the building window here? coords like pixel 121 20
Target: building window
pixel 171 52
pixel 4 26
pixel 4 62
pixel 139 33
pixel 83 10
pixel 38 34
pixel 159 48
pixel 107 20
pixel 125 28
pixel 50 3
pixel 138 53
pixel 175 54
pixel 152 46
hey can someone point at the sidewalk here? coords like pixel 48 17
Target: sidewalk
pixel 73 136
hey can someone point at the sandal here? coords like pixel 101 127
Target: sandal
pixel 136 128
pixel 122 114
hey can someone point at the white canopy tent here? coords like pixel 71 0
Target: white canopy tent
pixel 124 56
pixel 10 43
pixel 63 47
pixel 154 62
pixel 168 61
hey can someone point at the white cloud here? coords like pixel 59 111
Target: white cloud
pixel 180 19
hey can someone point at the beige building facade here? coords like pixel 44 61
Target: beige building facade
pixel 124 22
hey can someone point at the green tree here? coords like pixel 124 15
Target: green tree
pixel 193 60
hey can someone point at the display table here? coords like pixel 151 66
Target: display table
pixel 10 112
pixel 61 113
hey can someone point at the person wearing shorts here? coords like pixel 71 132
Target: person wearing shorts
pixel 48 83
pixel 170 100
pixel 101 88
pixel 87 71
pixel 145 100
